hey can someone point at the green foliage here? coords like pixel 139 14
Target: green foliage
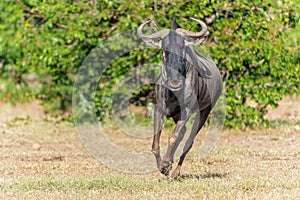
pixel 255 44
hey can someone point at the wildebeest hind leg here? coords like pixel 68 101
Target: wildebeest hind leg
pixel 198 123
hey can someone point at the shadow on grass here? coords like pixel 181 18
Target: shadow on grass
pixel 202 176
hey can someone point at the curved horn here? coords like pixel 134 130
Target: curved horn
pixel 203 32
pixel 153 39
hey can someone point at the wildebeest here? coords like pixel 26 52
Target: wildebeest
pixel 188 83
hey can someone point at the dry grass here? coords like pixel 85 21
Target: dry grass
pixel 46 160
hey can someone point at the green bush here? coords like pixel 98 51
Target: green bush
pixel 255 44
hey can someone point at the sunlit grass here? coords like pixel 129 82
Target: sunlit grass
pixel 248 164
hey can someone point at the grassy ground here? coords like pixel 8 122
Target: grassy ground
pixel 46 160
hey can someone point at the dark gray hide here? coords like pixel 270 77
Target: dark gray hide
pixel 189 83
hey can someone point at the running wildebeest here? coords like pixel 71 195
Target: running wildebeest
pixel 188 83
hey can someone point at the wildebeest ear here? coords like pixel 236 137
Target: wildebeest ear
pixel 153 42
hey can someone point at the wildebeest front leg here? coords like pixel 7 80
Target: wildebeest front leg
pixel 158 123
pixel 198 123
pixel 174 141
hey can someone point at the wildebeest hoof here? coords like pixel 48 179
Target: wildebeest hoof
pixel 165 168
pixel 175 173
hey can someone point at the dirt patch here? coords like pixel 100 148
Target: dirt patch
pixel 32 110
pixel 288 109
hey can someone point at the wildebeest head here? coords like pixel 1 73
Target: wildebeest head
pixel 173 60
pixel 173 43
